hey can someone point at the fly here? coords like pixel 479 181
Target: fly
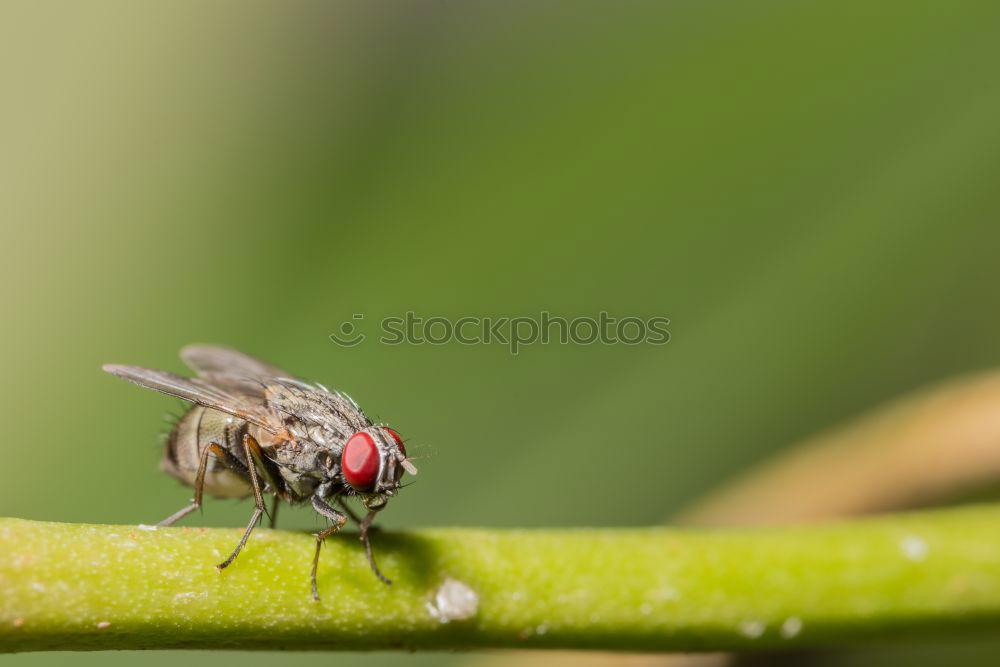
pixel 255 429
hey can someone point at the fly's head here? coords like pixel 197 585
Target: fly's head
pixel 372 462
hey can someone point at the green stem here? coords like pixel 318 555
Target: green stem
pixel 119 587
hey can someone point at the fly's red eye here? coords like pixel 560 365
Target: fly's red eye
pixel 399 440
pixel 360 461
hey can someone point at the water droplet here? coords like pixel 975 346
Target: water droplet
pixel 453 601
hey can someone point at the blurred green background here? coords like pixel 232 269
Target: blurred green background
pixel 808 190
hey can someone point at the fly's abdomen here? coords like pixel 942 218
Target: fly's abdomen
pixel 196 430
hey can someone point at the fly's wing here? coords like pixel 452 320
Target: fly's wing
pixel 202 392
pixel 237 374
pixel 216 360
pixel 230 370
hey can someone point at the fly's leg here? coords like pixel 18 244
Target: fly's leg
pixel 338 520
pixel 365 525
pixel 199 481
pixel 256 459
pixel 257 496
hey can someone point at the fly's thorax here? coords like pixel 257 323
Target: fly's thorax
pixel 198 428
pixel 324 417
pixel 303 463
pixel 317 425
